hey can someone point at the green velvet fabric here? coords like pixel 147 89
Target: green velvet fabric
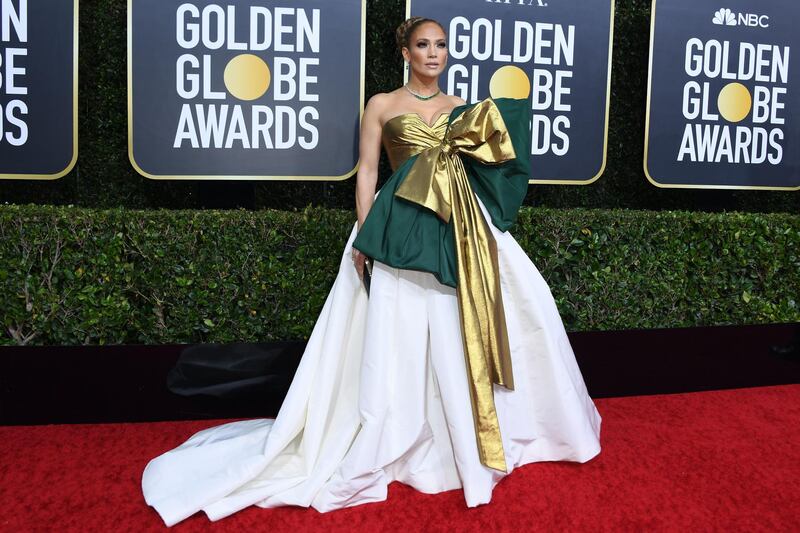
pixel 405 235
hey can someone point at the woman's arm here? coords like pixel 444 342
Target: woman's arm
pixel 369 154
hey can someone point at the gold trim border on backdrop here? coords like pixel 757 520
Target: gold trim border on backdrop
pixel 233 177
pixel 608 107
pixel 647 134
pixel 71 164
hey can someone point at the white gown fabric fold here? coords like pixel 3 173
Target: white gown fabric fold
pixel 381 395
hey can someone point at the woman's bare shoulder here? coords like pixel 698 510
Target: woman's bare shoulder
pixel 379 103
pixel 456 101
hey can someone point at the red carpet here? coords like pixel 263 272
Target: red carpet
pixel 721 460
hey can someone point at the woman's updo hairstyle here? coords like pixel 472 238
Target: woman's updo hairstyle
pixel 406 29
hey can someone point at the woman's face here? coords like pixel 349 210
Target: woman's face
pixel 427 50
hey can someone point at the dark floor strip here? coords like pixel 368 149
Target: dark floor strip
pixel 73 384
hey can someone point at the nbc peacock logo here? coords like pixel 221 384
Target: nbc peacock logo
pixel 724 17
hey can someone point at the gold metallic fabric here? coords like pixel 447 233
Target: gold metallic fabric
pixel 438 181
pixel 407 135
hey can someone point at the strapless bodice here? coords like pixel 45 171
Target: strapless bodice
pixel 407 135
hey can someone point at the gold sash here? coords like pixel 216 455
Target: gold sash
pixel 437 180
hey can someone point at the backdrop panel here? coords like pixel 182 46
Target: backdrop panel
pixel 723 104
pixel 246 89
pixel 38 88
pixel 556 54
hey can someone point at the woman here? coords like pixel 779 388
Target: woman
pixel 454 370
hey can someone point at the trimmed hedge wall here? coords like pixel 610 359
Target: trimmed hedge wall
pixel 81 276
pixel 103 176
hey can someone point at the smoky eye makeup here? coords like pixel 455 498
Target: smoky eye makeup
pixel 424 42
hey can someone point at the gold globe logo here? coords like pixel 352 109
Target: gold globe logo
pixel 734 102
pixel 247 77
pixel 509 82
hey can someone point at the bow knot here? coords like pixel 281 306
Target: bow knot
pixel 446 148
pixel 479 133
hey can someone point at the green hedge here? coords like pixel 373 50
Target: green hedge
pixel 82 276
pixel 103 176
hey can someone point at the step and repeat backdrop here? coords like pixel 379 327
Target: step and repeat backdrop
pixel 722 105
pixel 555 54
pixel 274 90
pixel 245 90
pixel 38 88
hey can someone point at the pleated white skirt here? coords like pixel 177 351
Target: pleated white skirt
pixel 381 395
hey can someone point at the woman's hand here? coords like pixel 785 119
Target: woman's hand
pixel 358 260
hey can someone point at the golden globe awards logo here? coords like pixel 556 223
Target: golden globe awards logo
pixel 247 77
pixel 720 112
pixel 246 89
pixel 38 88
pixel 554 54
pixel 712 132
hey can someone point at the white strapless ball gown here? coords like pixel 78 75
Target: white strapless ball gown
pixel 381 395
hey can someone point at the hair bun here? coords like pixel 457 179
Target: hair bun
pixel 407 27
pixel 402 32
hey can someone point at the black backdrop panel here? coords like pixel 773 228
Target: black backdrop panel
pixel 556 54
pixel 248 89
pixel 38 88
pixel 723 100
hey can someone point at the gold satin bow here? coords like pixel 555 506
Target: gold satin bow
pixel 438 180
